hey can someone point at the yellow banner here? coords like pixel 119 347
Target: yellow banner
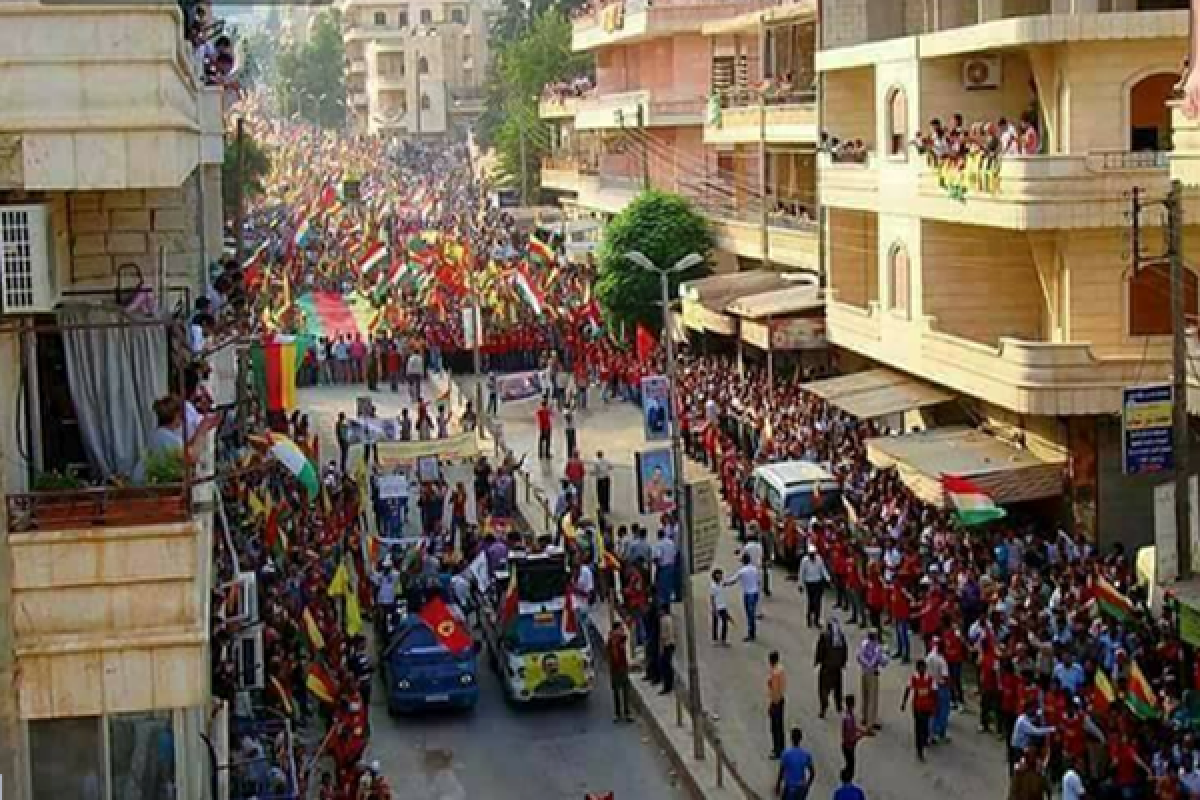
pixel 458 447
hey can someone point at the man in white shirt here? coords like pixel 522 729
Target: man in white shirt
pixel 666 577
pixel 581 595
pixel 813 578
pixel 414 371
pixel 718 608
pixel 747 578
pixel 754 549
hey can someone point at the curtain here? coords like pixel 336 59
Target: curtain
pixel 114 374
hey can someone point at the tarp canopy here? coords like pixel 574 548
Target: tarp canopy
pixel 877 393
pixel 706 301
pixel 1006 472
pixel 779 303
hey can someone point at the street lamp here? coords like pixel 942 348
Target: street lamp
pixel 685 519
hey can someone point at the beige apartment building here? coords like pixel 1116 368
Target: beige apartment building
pixel 416 69
pixel 1000 292
pixel 110 154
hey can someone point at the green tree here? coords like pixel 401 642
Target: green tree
pixel 664 227
pixel 522 67
pixel 256 166
pixel 310 78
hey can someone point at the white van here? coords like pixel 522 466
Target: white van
pixel 799 488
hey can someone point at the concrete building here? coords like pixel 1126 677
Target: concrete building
pixel 1004 283
pixel 685 101
pixel 110 154
pixel 416 69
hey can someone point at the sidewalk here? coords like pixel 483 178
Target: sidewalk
pixel 733 680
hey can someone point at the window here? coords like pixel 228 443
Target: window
pixel 66 758
pixel 425 103
pixel 141 750
pixel 899 269
pixel 380 19
pixel 897 121
pixel 426 16
pixel 422 66
pixel 1149 114
pixel 402 21
pixel 1150 300
pixel 458 16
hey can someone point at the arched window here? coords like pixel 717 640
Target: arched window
pixel 422 66
pixel 1149 115
pixel 425 103
pixel 380 18
pixel 1150 300
pixel 899 279
pixel 897 122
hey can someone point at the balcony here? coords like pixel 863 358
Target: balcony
pixel 612 22
pixel 785 119
pixel 790 243
pixel 468 101
pixel 358 67
pixel 621 110
pixel 1048 192
pixel 117 103
pixel 389 82
pixel 1026 377
pixel 563 107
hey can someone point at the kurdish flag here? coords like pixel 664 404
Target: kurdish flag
pixel 971 504
pixel 371 259
pixel 540 250
pixel 1103 694
pixel 528 290
pixel 288 453
pixel 332 314
pixel 1111 601
pixel 275 363
pixel 1141 698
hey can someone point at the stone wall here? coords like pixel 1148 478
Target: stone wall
pixel 111 230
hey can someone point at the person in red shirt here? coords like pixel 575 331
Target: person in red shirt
pixel 876 597
pixel 545 426
pixel 920 689
pixel 618 670
pixel 955 651
pixel 1010 688
pixel 574 473
pixel 989 685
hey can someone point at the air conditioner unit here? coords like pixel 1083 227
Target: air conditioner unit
pixel 27 279
pixel 981 72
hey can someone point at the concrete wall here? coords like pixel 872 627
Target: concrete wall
pixel 678 66
pixel 850 105
pixel 942 93
pixel 980 283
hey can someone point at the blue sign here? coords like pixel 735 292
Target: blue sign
pixel 1146 430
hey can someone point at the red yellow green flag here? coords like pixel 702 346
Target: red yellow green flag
pixel 1111 601
pixel 1141 698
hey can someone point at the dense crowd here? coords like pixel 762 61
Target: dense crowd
pixel 1080 681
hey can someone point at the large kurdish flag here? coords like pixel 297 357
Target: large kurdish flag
pixel 1141 698
pixel 275 363
pixel 332 314
pixel 971 504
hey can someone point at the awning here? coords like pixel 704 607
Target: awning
pixel 781 302
pixel 877 393
pixel 1006 472
pixel 705 301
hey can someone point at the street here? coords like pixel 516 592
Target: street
pixel 498 750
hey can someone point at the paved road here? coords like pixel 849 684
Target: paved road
pixel 499 752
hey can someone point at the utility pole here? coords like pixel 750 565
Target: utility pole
pixel 762 179
pixel 477 323
pixel 239 217
pixel 524 167
pixel 1183 530
pixel 1180 433
pixel 641 123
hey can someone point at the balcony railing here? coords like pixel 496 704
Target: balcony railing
pixel 97 507
pixel 747 98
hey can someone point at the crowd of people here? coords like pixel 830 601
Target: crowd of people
pixel 559 91
pixel 1082 684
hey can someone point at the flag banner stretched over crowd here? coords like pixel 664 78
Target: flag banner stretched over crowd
pixel 519 386
pixel 275 363
pixel 331 314
pixel 449 631
pixel 971 504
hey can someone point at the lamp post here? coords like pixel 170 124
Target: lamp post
pixel 685 518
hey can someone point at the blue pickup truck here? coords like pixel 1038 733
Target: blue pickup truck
pixel 421 673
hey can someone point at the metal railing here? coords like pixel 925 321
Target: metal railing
pixel 740 97
pixel 1115 161
pixel 723 764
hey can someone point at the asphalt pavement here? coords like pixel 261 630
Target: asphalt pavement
pixel 500 751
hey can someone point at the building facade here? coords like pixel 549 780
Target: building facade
pixel 109 179
pixel 994 263
pixel 416 69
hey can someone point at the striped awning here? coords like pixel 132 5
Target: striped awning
pixel 1006 472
